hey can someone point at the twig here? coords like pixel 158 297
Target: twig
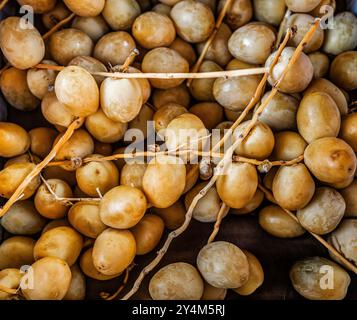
pixel 332 249
pixel 185 144
pixel 142 75
pixel 67 201
pixel 265 165
pixel 32 160
pixel 221 166
pixel 235 158
pixel 329 247
pixel 308 36
pixel 152 153
pixel 210 39
pixel 222 212
pixel 99 193
pixel 282 28
pixel 38 168
pixel 57 26
pixel 129 60
pixel 3 4
pixel 107 296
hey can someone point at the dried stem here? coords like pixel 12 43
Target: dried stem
pixel 38 168
pixel 107 296
pixel 67 201
pixel 282 28
pixel 129 60
pixel 3 4
pixel 152 153
pixel 221 166
pixel 99 193
pixel 221 214
pixel 210 39
pixel 308 36
pixel 268 163
pixel 235 158
pixel 329 247
pixel 57 26
pixel 142 75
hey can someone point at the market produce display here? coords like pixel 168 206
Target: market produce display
pixel 126 124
